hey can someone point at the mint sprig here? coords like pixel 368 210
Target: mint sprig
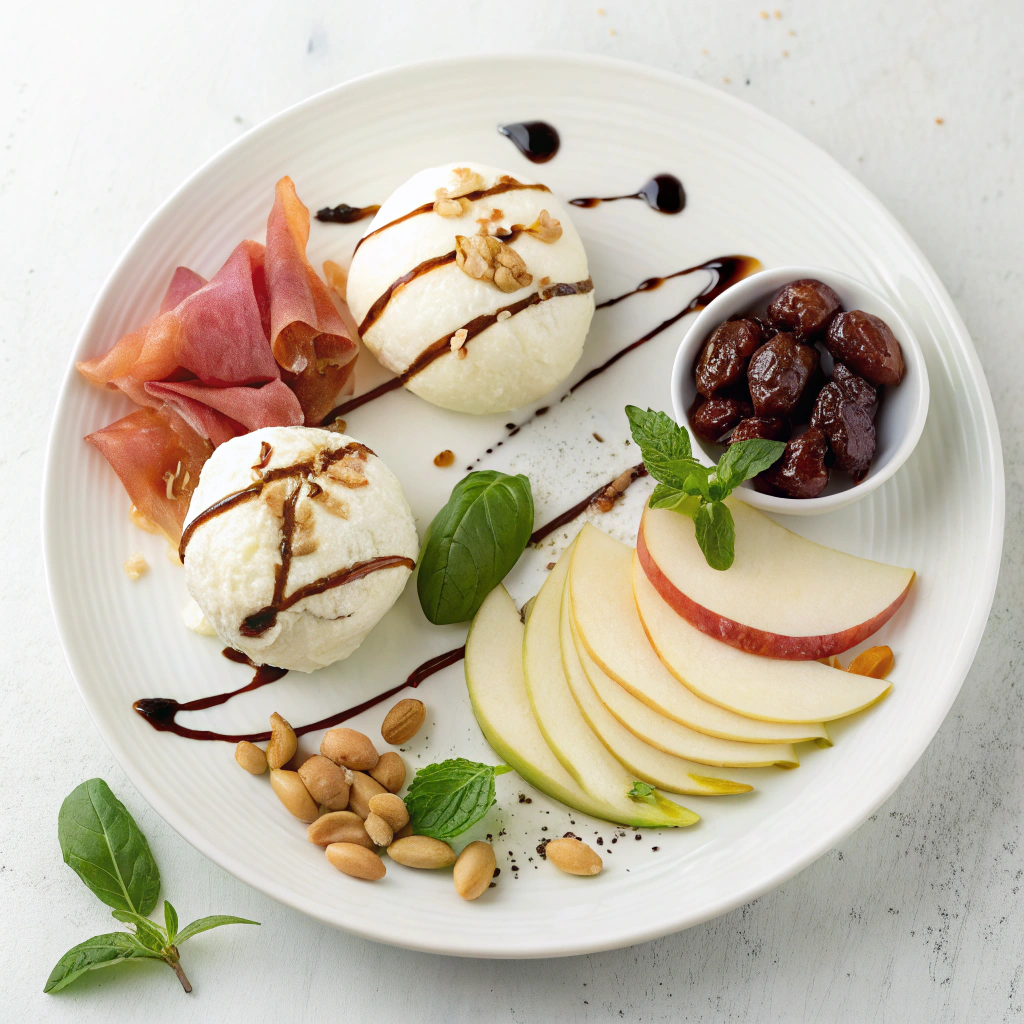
pixel 446 799
pixel 692 489
pixel 103 844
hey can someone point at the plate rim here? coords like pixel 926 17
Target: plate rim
pixel 630 934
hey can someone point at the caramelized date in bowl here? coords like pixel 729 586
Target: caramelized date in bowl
pixel 901 410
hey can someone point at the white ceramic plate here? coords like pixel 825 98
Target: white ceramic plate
pixel 753 187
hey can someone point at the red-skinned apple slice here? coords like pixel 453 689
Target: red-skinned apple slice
pixel 783 597
pixel 768 688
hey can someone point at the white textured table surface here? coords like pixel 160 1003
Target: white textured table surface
pixel 105 108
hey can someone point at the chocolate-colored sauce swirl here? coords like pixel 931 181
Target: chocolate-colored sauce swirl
pixel 664 193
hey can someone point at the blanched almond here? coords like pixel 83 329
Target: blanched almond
pixel 293 794
pixel 283 743
pixel 251 758
pixel 405 830
pixel 574 857
pixel 421 852
pixel 350 749
pixel 356 861
pixel 339 827
pixel 378 829
pixel 391 808
pixel 390 771
pixel 363 787
pixel 327 783
pixel 403 721
pixel 474 870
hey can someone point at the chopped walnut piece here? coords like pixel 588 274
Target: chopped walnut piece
pixel 459 339
pixel 337 426
pixel 607 498
pixel 546 228
pixel 461 353
pixel 136 567
pixel 304 540
pixel 447 206
pixel 485 258
pixel 348 472
pixel 505 314
pixel 466 181
pixel 544 281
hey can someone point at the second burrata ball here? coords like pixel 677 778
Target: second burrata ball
pixel 297 541
pixel 473 285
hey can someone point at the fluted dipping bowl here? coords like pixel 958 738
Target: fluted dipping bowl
pixel 901 414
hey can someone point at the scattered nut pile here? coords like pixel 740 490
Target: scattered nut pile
pixel 760 377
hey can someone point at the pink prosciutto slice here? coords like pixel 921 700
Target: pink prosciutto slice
pixel 308 337
pixel 158 458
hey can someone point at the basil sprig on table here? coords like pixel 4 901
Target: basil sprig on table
pixel 446 799
pixel 105 847
pixel 473 543
pixel 692 489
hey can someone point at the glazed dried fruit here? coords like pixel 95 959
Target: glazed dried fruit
pixel 768 428
pixel 856 388
pixel 801 471
pixel 717 416
pixel 779 373
pixel 848 427
pixel 723 360
pixel 868 347
pixel 803 307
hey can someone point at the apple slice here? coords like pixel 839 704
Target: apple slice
pixel 783 597
pixel 571 740
pixel 604 612
pixel 497 691
pixel 674 774
pixel 778 691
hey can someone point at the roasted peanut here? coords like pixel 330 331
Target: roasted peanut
pixel 251 758
pixel 378 829
pixel 876 662
pixel 327 783
pixel 293 794
pixel 405 830
pixel 356 861
pixel 574 857
pixel 403 721
pixel 282 746
pixel 391 808
pixel 390 771
pixel 421 852
pixel 474 870
pixel 363 787
pixel 350 749
pixel 339 827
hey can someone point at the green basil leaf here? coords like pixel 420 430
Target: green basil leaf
pixel 102 843
pixel 664 445
pixel 676 500
pixel 99 951
pixel 149 933
pixel 204 924
pixel 446 799
pixel 170 922
pixel 473 543
pixel 643 791
pixel 716 534
pixel 746 459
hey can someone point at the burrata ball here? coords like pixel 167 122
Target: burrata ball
pixel 298 540
pixel 474 285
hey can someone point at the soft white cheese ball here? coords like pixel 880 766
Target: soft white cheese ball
pixel 232 558
pixel 512 362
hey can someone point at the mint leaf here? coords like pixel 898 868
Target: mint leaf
pixel 746 459
pixel 446 799
pixel 102 844
pixel 472 544
pixel 643 791
pixel 170 922
pixel 204 924
pixel 664 445
pixel 676 500
pixel 99 951
pixel 716 534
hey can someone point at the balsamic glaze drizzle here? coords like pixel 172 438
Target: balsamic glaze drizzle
pixel 664 193
pixel 538 141
pixel 345 214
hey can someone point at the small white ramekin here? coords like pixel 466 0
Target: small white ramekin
pixel 901 414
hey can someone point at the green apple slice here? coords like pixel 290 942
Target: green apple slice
pixel 497 691
pixel 673 774
pixel 567 733
pixel 605 613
